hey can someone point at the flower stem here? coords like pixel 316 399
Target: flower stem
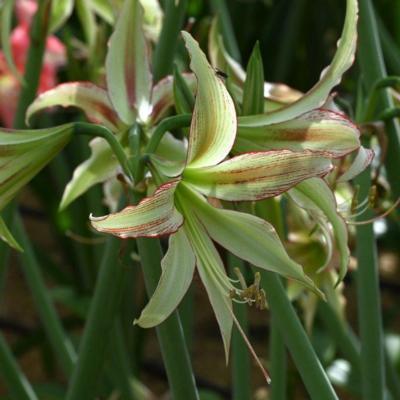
pixel 310 368
pixel 14 378
pixel 100 322
pixel 58 338
pixel 164 52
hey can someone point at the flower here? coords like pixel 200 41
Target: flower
pixel 9 83
pixel 179 208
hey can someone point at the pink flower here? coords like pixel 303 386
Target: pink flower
pixel 19 39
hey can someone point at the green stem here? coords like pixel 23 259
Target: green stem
pixel 33 66
pixel 83 128
pixel 221 10
pixel 100 320
pixel 55 332
pixel 303 354
pixel 241 378
pixel 163 57
pixel 167 124
pixel 373 69
pixel 170 332
pixel 14 378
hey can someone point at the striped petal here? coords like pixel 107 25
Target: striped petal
pixel 128 73
pixel 362 160
pixel 320 130
pixel 213 128
pixel 91 99
pixel 314 195
pixel 255 176
pixel 330 77
pixel 177 274
pixel 24 153
pixel 152 217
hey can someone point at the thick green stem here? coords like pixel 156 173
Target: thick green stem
pixel 33 66
pixel 303 354
pixel 58 338
pixel 241 377
pixel 14 378
pixel 221 10
pixel 100 321
pixel 164 52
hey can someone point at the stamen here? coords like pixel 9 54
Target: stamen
pixel 83 239
pixel 240 276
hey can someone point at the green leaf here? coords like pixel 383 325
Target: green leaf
pixel 104 9
pixel 61 10
pixel 320 130
pixel 362 160
pixel 183 95
pixel 253 89
pixel 250 238
pixel 91 99
pixel 330 77
pixel 8 237
pixel 87 20
pixel 177 273
pixel 213 128
pixel 128 73
pixel 23 153
pixel 258 175
pixel 100 166
pixel 6 24
pixel 154 216
pixel 315 196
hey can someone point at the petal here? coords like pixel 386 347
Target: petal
pixel 177 274
pixel 363 158
pixel 330 77
pixel 320 130
pixel 315 195
pixel 152 217
pixel 24 153
pixel 100 166
pixel 255 176
pixel 249 238
pixel 213 128
pixel 7 236
pixel 127 65
pixel 91 99
pixel 212 274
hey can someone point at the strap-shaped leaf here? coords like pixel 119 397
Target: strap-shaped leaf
pixel 91 99
pixel 60 12
pixel 330 77
pixel 315 195
pixel 152 217
pixel 177 274
pixel 128 73
pixel 24 153
pixel 7 236
pixel 363 159
pixel 319 130
pixel 100 166
pixel 249 238
pixel 213 128
pixel 256 176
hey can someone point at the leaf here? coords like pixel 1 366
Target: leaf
pixel 23 153
pixel 128 73
pixel 177 274
pixel 91 99
pixel 248 237
pixel 6 24
pixel 104 9
pixel 253 90
pixel 100 166
pixel 258 175
pixel 61 10
pixel 154 216
pixel 362 160
pixel 213 128
pixel 320 130
pixel 330 77
pixel 8 237
pixel 88 21
pixel 183 95
pixel 314 195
